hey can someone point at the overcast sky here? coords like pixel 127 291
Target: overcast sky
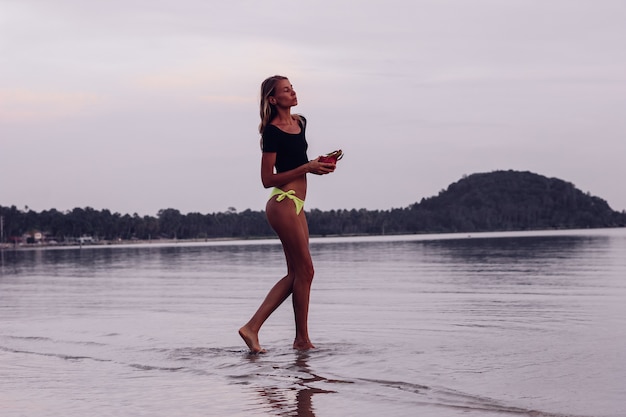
pixel 140 105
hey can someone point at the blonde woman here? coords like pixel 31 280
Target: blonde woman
pixel 284 167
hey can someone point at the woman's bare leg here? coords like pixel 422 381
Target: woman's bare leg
pixel 293 232
pixel 275 297
pixel 302 288
pixel 294 235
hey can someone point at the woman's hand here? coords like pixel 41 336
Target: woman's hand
pixel 320 168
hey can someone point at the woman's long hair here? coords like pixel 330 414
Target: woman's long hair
pixel 267 110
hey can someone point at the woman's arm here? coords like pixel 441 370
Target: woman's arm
pixel 269 178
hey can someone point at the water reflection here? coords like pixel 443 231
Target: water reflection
pixel 505 249
pixel 296 399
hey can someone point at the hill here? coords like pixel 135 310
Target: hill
pixel 513 200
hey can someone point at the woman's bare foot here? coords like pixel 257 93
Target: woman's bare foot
pixel 252 340
pixel 303 345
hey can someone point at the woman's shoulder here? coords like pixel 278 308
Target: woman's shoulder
pixel 301 119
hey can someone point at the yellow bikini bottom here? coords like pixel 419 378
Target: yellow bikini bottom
pixel 291 194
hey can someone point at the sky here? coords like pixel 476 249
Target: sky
pixel 140 105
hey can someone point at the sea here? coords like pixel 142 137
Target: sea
pixel 490 324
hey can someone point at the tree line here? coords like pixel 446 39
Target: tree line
pixel 496 201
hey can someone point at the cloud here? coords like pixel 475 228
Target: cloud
pixel 228 99
pixel 18 106
pixel 442 87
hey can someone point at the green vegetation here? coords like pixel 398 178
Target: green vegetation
pixel 496 201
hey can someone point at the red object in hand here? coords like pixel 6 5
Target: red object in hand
pixel 331 158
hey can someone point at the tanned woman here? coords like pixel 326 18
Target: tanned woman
pixel 284 168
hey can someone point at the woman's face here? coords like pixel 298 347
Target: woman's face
pixel 284 95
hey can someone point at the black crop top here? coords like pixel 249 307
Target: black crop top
pixel 290 148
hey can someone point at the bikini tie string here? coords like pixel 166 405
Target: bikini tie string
pixel 290 194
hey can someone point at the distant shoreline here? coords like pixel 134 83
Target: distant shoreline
pixel 314 239
pixel 114 243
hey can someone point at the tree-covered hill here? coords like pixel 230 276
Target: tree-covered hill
pixel 513 200
pixel 495 201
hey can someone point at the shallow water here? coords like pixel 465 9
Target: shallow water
pixel 528 324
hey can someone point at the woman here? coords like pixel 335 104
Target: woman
pixel 284 165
